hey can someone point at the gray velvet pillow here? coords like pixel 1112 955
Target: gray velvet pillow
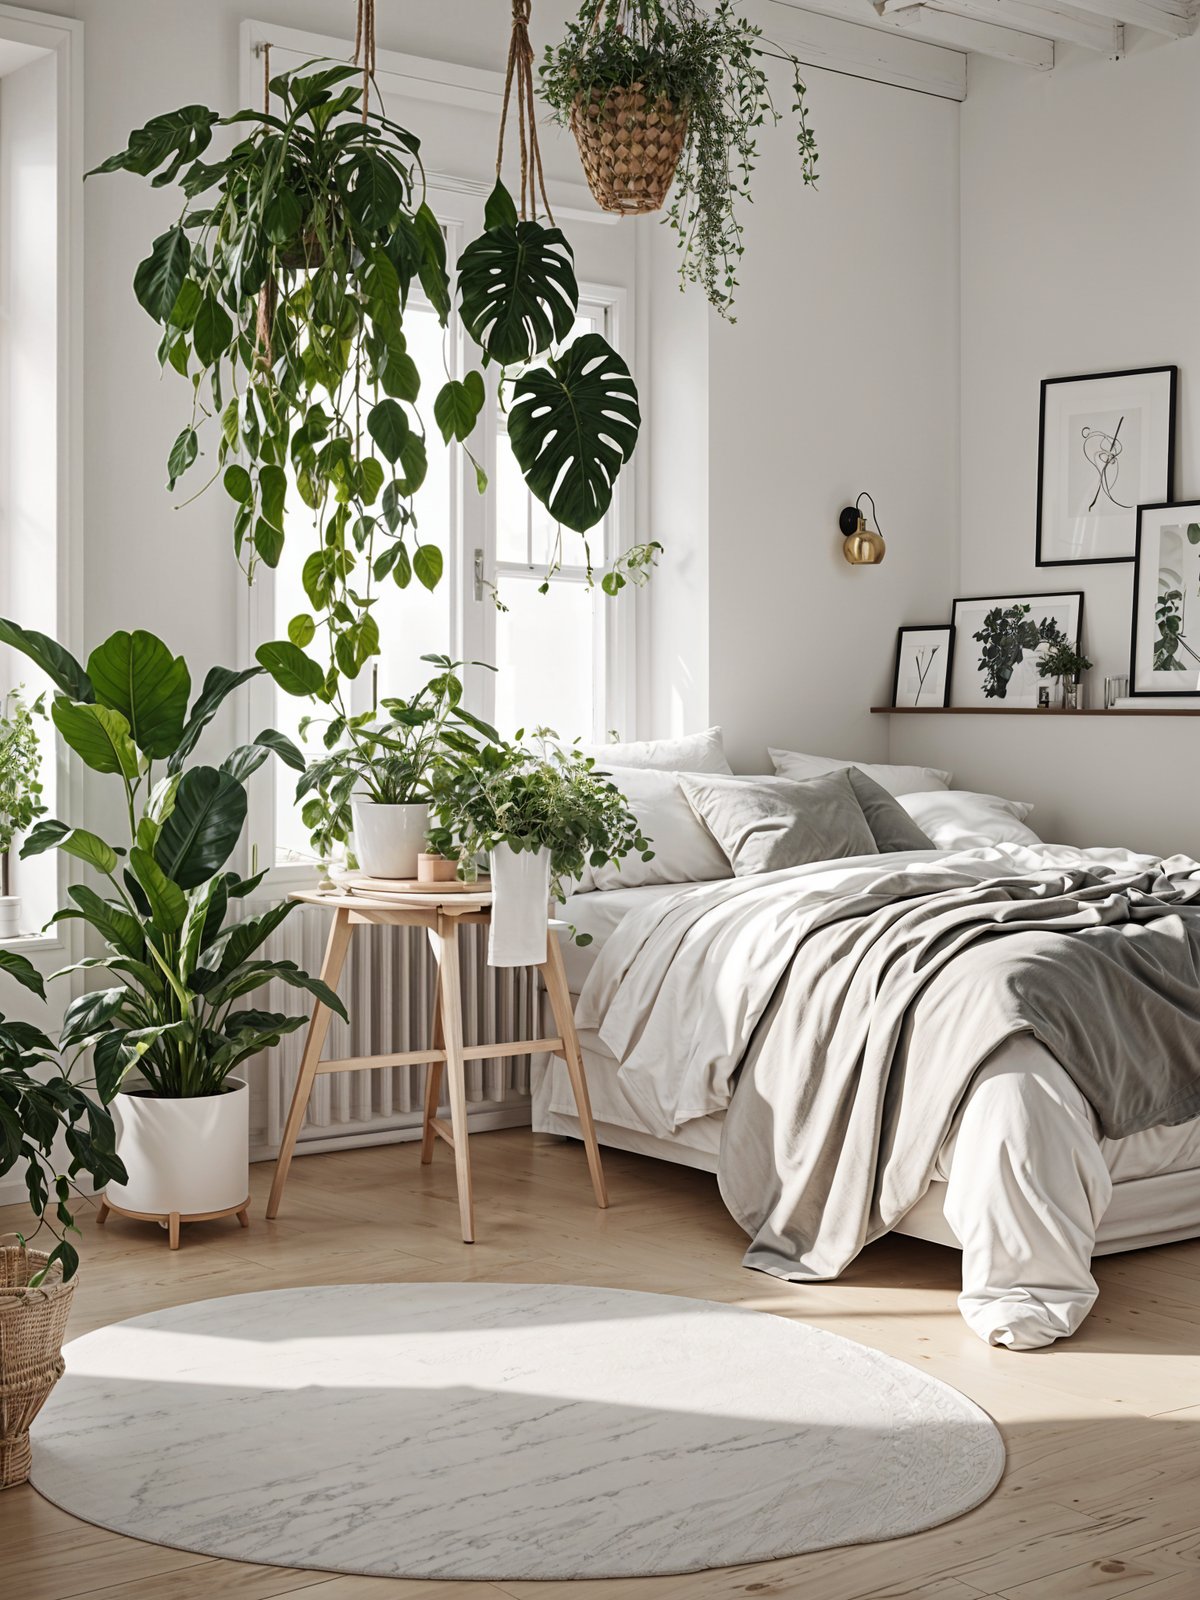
pixel 763 824
pixel 887 819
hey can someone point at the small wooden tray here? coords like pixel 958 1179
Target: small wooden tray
pixel 363 883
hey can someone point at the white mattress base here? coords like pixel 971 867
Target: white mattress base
pixel 1143 1212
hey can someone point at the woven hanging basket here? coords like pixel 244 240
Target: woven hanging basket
pixel 32 1325
pixel 630 145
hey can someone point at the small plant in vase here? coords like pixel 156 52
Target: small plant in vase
pixel 543 816
pixel 373 786
pixel 20 794
pixel 1066 665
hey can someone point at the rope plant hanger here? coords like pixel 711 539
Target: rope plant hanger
pixel 520 72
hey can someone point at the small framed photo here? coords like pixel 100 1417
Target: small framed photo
pixel 924 656
pixel 1106 445
pixel 1002 638
pixel 1165 650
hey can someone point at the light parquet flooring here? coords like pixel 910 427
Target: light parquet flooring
pixel 1101 1496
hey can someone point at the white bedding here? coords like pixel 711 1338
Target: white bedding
pixel 1025 1180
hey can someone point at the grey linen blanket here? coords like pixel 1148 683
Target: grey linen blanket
pixel 891 1001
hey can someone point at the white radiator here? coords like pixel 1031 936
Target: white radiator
pixel 387 988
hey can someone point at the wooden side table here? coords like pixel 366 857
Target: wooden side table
pixel 441 916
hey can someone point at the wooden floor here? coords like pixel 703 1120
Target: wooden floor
pixel 1102 1491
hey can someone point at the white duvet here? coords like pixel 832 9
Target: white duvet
pixel 1027 1176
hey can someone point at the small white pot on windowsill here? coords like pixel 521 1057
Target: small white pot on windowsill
pixel 10 916
pixel 388 839
pixel 520 907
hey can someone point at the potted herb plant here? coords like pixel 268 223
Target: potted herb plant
pixel 41 1109
pixel 20 794
pixel 542 816
pixel 1066 665
pixel 282 290
pixel 169 1033
pixel 662 92
pixel 374 783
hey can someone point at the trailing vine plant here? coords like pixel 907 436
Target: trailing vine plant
pixel 281 291
pixel 712 64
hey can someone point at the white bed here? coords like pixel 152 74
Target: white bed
pixel 1025 1140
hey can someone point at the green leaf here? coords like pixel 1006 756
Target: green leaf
pixel 183 453
pixel 97 734
pixel 388 426
pixel 204 827
pixel 136 674
pixel 432 267
pixel 457 406
pixel 245 761
pixel 59 665
pixel 370 479
pixel 23 972
pixel 302 630
pixel 292 670
pixel 159 278
pixel 184 135
pixel 284 216
pixel 279 744
pixel 519 294
pixel 212 331
pixel 44 836
pixel 427 564
pixel 268 541
pixel 116 926
pixel 500 209
pixel 573 424
pixel 414 464
pixel 402 568
pixel 400 377
pixel 188 302
pixel 272 485
pixel 90 1014
pixel 168 904
pixel 89 847
pixel 238 484
pixel 1193 532
pixel 218 683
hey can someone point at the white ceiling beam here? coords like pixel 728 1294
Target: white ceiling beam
pixel 845 36
pixel 965 33
pixel 1175 18
pixel 1047 21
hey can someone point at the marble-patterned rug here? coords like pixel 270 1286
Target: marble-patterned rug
pixel 501 1431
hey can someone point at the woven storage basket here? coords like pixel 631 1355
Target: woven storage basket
pixel 630 145
pixel 32 1325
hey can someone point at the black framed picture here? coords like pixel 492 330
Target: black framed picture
pixel 1164 654
pixel 924 658
pixel 1106 445
pixel 1001 640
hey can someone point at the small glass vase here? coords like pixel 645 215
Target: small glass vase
pixel 1072 694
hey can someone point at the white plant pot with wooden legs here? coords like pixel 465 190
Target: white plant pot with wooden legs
pixel 388 839
pixel 188 1160
pixel 520 907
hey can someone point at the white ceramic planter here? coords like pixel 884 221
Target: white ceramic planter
pixel 520 907
pixel 388 839
pixel 10 916
pixel 189 1156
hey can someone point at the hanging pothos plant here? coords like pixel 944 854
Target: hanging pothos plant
pixel 282 290
pixel 645 82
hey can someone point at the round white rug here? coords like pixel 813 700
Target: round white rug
pixel 502 1431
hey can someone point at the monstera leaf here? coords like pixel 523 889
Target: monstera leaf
pixel 135 674
pixel 573 425
pixel 519 293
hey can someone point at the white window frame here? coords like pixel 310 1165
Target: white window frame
pixel 623 620
pixel 62 37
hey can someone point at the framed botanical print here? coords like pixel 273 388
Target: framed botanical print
pixel 924 655
pixel 1001 640
pixel 1106 445
pixel 1165 649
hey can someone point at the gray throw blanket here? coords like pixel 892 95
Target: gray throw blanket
pixel 889 1004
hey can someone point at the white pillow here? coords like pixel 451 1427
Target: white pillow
pixel 692 752
pixel 896 780
pixel 956 819
pixel 684 850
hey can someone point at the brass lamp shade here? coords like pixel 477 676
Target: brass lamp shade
pixel 862 546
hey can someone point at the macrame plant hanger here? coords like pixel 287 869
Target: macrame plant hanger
pixel 520 72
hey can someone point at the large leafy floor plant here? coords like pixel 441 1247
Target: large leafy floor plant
pixel 707 65
pixel 180 961
pixel 282 291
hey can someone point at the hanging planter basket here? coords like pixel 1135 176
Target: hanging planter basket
pixel 32 1325
pixel 630 144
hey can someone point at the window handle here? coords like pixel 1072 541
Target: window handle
pixel 479 574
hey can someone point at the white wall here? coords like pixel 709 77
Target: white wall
pixel 1080 239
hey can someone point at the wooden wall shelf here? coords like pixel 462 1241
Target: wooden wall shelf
pixel 1032 711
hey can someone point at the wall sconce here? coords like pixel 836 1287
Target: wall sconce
pixel 862 546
